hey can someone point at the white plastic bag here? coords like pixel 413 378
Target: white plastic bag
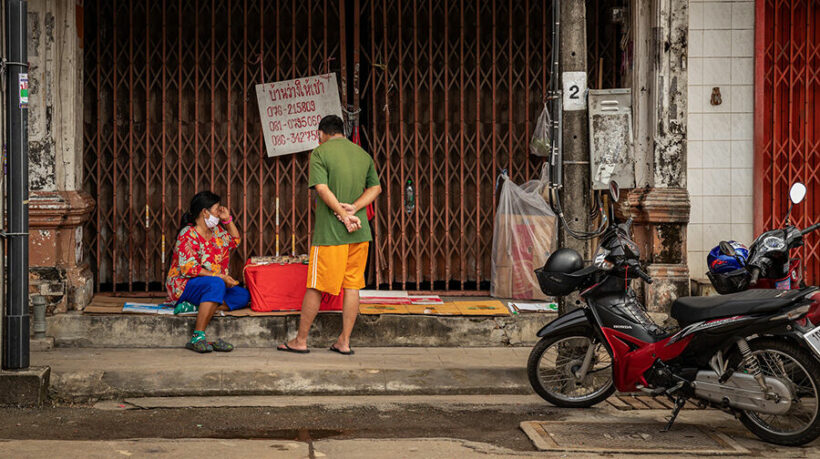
pixel 541 142
pixel 524 236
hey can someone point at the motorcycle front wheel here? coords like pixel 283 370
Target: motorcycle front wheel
pixel 555 364
pixel 800 371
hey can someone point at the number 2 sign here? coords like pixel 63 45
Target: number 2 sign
pixel 575 90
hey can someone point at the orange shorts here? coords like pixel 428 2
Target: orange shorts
pixel 334 267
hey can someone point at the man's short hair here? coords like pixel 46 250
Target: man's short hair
pixel 332 124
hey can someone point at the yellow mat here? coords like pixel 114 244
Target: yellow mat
pixel 383 309
pixel 482 308
pixel 446 309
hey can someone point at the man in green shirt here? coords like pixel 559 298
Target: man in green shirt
pixel 346 181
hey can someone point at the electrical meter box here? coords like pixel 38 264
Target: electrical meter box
pixel 611 149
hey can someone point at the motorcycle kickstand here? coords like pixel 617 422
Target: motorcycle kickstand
pixel 679 402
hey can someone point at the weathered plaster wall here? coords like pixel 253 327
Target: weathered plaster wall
pixel 55 110
pixel 57 207
pixel 670 93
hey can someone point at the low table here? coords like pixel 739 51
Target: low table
pixel 276 287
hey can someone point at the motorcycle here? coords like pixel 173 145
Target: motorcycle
pixel 769 264
pixel 752 354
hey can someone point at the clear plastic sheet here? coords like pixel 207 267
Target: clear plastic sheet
pixel 524 236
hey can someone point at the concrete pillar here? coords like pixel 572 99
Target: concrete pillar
pixel 661 207
pixel 58 207
pixel 575 194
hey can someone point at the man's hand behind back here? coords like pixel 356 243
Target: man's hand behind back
pixel 351 221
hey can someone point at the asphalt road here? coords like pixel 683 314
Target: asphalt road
pixel 278 423
pixel 457 426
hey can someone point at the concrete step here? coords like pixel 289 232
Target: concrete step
pixel 112 331
pixel 84 375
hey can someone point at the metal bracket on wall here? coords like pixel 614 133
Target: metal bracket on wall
pixel 4 64
pixel 5 235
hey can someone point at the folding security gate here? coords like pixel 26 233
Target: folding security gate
pixel 446 93
pixel 787 122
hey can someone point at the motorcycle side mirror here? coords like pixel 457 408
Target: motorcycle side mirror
pixel 614 191
pixel 727 249
pixel 797 193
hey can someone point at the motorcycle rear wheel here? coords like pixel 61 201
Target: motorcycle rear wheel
pixel 553 364
pixel 801 371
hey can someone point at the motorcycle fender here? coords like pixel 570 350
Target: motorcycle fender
pixel 577 318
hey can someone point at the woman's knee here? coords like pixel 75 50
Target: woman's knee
pixel 214 289
pixel 237 297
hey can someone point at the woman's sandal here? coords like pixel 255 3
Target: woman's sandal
pixel 221 345
pixel 201 346
pixel 333 348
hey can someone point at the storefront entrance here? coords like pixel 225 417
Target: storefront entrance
pixel 446 94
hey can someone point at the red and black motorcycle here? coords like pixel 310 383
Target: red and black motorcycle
pixel 752 354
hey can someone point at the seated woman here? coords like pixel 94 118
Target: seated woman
pixel 199 267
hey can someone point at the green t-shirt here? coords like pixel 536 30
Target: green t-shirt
pixel 347 170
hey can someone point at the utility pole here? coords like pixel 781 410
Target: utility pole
pixel 575 193
pixel 16 320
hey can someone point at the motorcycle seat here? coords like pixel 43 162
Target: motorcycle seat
pixel 692 309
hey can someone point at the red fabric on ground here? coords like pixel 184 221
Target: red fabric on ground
pixel 281 288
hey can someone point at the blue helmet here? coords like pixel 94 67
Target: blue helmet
pixel 720 263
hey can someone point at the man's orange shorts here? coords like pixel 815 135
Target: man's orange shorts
pixel 334 267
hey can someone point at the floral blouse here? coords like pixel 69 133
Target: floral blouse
pixel 192 254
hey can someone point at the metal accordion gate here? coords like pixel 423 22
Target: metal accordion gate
pixel 446 94
pixel 787 122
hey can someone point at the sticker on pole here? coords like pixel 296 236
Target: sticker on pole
pixel 23 84
pixel 290 112
pixel 575 90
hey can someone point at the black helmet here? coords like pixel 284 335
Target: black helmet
pixel 565 261
pixel 558 276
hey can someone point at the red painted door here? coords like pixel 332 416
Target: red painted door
pixel 787 124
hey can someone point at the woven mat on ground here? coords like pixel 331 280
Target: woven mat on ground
pixel 104 304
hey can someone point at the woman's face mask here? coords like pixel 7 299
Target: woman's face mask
pixel 212 220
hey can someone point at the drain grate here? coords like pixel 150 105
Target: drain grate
pixel 628 438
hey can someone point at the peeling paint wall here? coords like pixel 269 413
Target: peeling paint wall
pixel 670 92
pixel 55 106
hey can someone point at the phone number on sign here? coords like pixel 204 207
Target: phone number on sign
pixel 294 137
pixel 296 123
pixel 292 109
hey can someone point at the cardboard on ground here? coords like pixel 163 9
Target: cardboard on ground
pixel 383 309
pixel 482 308
pixel 444 309
pixel 383 293
pixel 535 307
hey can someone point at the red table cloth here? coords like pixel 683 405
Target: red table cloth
pixel 278 287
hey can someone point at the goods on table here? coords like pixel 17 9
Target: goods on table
pixel 281 260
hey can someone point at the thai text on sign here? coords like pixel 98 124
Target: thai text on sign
pixel 291 110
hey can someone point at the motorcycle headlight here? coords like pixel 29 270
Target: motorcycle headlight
pixel 600 260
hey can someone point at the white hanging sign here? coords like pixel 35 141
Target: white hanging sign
pixel 575 90
pixel 290 112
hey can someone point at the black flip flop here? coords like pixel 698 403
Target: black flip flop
pixel 337 350
pixel 290 349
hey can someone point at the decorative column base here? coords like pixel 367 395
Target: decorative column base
pixel 661 216
pixel 57 267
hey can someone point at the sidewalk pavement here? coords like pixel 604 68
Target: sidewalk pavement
pixel 82 374
pixel 450 443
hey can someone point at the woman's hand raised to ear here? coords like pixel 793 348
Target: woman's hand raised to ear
pixel 223 213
